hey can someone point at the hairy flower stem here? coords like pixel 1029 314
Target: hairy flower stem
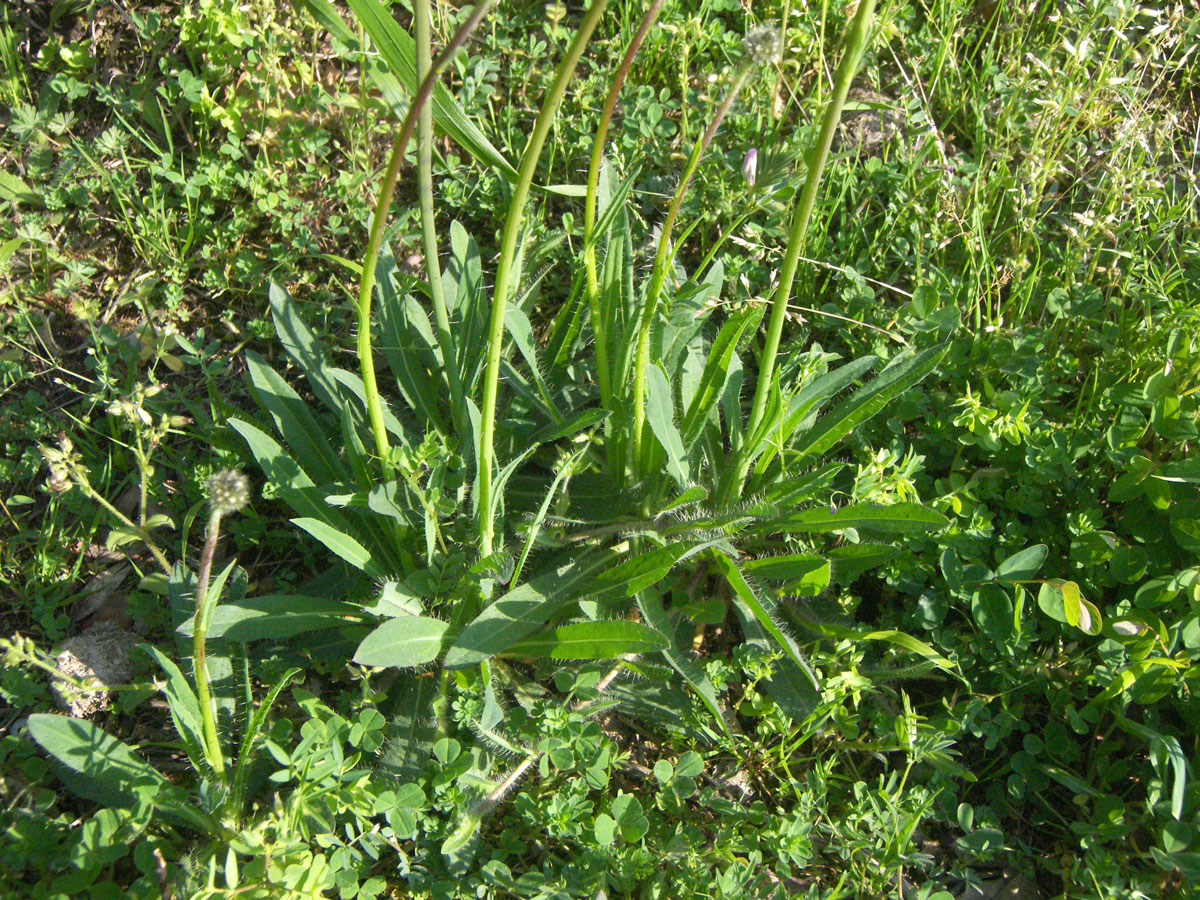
pixel 208 713
pixel 662 259
pixel 458 408
pixel 375 240
pixel 857 37
pixel 504 269
pixel 599 325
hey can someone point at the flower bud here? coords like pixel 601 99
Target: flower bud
pixel 750 166
pixel 228 491
pixel 59 480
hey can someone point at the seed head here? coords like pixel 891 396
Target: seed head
pixel 228 491
pixel 760 46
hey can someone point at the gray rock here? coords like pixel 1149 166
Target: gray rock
pixel 102 655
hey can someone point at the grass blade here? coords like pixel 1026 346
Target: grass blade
pixel 399 51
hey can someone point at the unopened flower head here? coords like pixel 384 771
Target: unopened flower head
pixel 750 166
pixel 63 462
pixel 228 491
pixel 760 46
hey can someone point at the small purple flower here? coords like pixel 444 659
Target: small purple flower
pixel 750 166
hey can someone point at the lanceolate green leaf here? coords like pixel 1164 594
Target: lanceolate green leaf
pixel 573 424
pixel 659 414
pixel 252 735
pixel 899 638
pixel 640 572
pixel 591 640
pixel 763 609
pixel 899 518
pixel 852 560
pixel 712 379
pixel 652 611
pixel 805 403
pixel 351 386
pixel 523 609
pixel 280 468
pixel 389 85
pixel 14 189
pixel 789 567
pixel 108 770
pixel 302 346
pixel 411 729
pixel 274 617
pixel 291 483
pixel 294 421
pixel 402 642
pixel 789 685
pixel 908 642
pixel 408 343
pixel 343 545
pixel 519 328
pixel 869 400
pixel 183 705
pixel 458 849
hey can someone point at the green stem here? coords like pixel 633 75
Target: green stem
pixel 208 713
pixel 856 42
pixel 661 259
pixel 589 206
pixel 504 269
pixel 433 268
pixel 375 240
pixel 141 532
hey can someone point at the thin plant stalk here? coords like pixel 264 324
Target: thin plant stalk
pixel 504 269
pixel 599 329
pixel 141 532
pixel 208 716
pixel 857 37
pixel 66 469
pixel 433 269
pixel 228 491
pixel 379 220
pixel 662 257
